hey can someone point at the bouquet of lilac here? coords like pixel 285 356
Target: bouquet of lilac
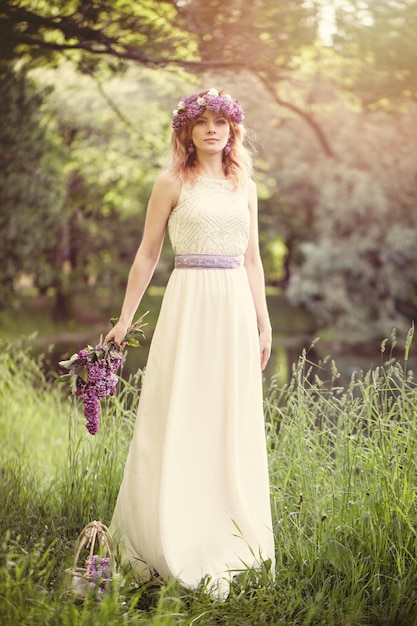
pixel 92 372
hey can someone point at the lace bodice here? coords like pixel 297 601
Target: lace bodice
pixel 211 217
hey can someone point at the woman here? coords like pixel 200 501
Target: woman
pixel 194 501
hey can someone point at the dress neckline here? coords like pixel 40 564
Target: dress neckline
pixel 214 184
pixel 217 180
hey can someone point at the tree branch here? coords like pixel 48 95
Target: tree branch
pixel 303 114
pixel 95 41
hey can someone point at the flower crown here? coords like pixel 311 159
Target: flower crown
pixel 193 106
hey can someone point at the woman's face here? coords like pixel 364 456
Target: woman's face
pixel 211 132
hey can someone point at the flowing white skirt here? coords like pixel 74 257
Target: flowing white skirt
pixel 194 501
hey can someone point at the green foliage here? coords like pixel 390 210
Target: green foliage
pixel 76 180
pixel 31 192
pixel 81 225
pixel 116 129
pixel 368 68
pixel 349 224
pixel 342 466
pixel 263 37
pixel 380 36
pixel 143 31
pixel 23 386
pixel 114 151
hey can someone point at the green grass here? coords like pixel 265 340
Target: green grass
pixel 343 465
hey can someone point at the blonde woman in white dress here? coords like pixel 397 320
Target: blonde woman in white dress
pixel 194 501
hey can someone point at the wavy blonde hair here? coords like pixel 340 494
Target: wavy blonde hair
pixel 237 165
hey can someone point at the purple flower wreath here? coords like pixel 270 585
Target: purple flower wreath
pixel 193 106
pixel 92 372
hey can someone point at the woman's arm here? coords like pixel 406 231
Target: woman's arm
pixel 165 195
pixel 256 276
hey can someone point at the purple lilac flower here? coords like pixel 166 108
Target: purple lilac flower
pixel 114 358
pixel 96 370
pixel 83 356
pixel 101 375
pixel 81 385
pixel 99 567
pixel 214 103
pixel 106 385
pixel 100 571
pixel 117 361
pixel 91 409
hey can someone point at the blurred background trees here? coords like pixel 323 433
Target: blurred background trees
pixel 329 88
pixel 31 185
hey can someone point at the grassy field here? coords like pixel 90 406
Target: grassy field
pixel 343 465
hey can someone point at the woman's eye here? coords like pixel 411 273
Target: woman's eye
pixel 201 121
pixel 221 121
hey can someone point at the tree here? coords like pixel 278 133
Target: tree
pixel 378 42
pixel 144 32
pixel 357 274
pixel 30 181
pixel 79 162
pixel 268 49
pixel 264 36
pixel 114 150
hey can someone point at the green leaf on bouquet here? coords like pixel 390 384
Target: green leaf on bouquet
pixel 135 343
pixel 82 373
pixel 63 378
pixel 73 383
pixel 134 333
pixel 69 362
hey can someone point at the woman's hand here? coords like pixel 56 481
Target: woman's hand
pixel 117 334
pixel 265 343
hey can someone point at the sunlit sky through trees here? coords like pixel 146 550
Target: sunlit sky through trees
pixel 328 26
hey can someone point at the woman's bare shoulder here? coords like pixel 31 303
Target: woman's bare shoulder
pixel 168 178
pixel 169 185
pixel 251 186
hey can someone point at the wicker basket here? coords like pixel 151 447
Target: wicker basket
pixel 94 543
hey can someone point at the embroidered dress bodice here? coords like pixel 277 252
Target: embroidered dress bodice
pixel 211 217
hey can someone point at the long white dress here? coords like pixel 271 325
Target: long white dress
pixel 194 501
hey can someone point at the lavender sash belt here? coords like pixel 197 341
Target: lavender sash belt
pixel 208 261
